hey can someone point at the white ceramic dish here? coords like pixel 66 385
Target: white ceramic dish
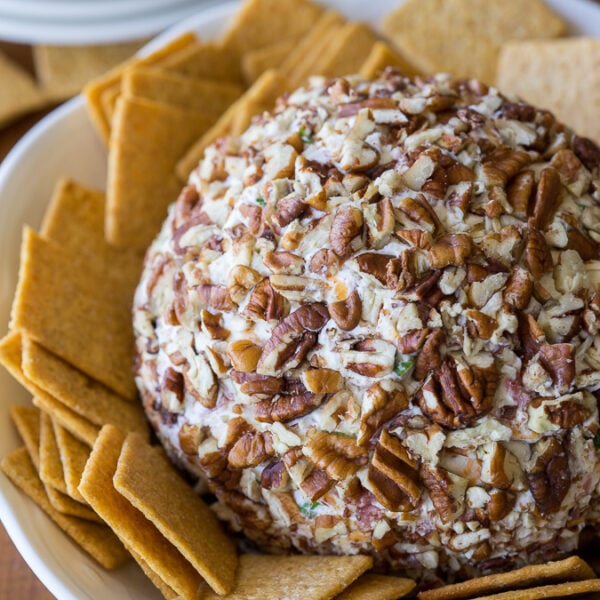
pixel 65 144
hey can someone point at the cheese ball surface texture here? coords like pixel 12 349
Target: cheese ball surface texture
pixel 371 325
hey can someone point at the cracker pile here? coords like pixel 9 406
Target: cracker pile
pixel 86 459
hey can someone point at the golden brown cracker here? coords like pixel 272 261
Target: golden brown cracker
pixel 75 219
pixel 94 90
pixel 205 60
pixel 569 569
pixel 347 51
pixel 377 587
pixel 261 23
pixel 189 93
pixel 97 540
pixel 588 589
pixel 78 392
pixel 65 505
pixel 145 477
pixel 148 140
pixel 62 71
pixel 19 93
pixel 51 470
pixel 463 37
pixel 93 333
pixel 256 62
pixel 314 37
pixel 27 422
pixel 260 96
pixel 560 75
pixel 382 56
pixel 295 577
pixel 73 456
pixel 130 525
pixel 166 590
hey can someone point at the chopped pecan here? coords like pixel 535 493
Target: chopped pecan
pixel 572 173
pixel 519 192
pixel 503 165
pixel 500 504
pixel 537 254
pixel 459 172
pixel 215 296
pixel 200 380
pixel 292 338
pixel 401 272
pixel 419 211
pixel 412 341
pixel 370 357
pixel 324 262
pixel 254 217
pixel 393 474
pixel 566 414
pixel 430 357
pixel 339 455
pixel 190 437
pixel 265 303
pixel 531 335
pixel 284 262
pixel 500 467
pixel 451 249
pixel 374 264
pixel 212 324
pixel 257 385
pixel 519 288
pixel 240 280
pixel 345 228
pixel 347 313
pixel 322 381
pixel 587 152
pixel 244 355
pixel 288 209
pixel 546 198
pixel 172 390
pixel 380 221
pixel 381 403
pixel 317 484
pixel 480 325
pixel 250 450
pixel 587 248
pixel 287 407
pixel 559 361
pixel 461 197
pixel 549 477
pixel 274 476
pixel 415 237
pixel 440 485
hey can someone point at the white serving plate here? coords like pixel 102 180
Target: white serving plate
pixel 65 144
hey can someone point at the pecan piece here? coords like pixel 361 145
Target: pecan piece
pixel 375 264
pixel 317 484
pixel 419 211
pixel 257 385
pixel 284 262
pixel 379 406
pixel 340 456
pixel 586 248
pixel 500 504
pixel 412 341
pixel 346 226
pixel 531 335
pixel 244 355
pixel 215 296
pixel 380 221
pixel 393 474
pixel 503 165
pixel 287 407
pixel 559 361
pixel 587 152
pixel 240 280
pixel 347 313
pixel 546 198
pixel 250 450
pixel 265 303
pixel 324 262
pixel 537 254
pixel 322 381
pixel 212 324
pixel 288 209
pixel 274 476
pixel 519 288
pixel 430 357
pixel 549 477
pixel 519 192
pixel 292 338
pixel 444 491
pixel 452 249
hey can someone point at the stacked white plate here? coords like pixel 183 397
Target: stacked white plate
pixel 69 22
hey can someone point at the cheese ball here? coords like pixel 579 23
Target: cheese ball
pixel 370 325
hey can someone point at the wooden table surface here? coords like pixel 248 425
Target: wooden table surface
pixel 17 581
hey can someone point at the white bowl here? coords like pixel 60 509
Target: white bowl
pixel 65 144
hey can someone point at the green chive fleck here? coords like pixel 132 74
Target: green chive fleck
pixel 260 201
pixel 403 366
pixel 308 509
pixel 305 135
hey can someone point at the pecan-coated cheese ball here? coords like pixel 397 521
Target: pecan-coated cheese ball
pixel 371 325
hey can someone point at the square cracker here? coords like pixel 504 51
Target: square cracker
pixel 256 62
pixel 62 71
pixel 180 91
pixel 264 22
pixel 295 577
pixel 95 333
pixel 27 422
pixel 587 589
pixel 377 587
pixel 569 569
pixel 463 37
pixel 560 75
pixel 78 392
pixel 97 540
pixel 95 89
pixel 157 555
pixel 146 478
pixel 10 357
pixel 74 455
pixel 148 139
pixel 382 56
pixel 261 95
pixel 19 93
